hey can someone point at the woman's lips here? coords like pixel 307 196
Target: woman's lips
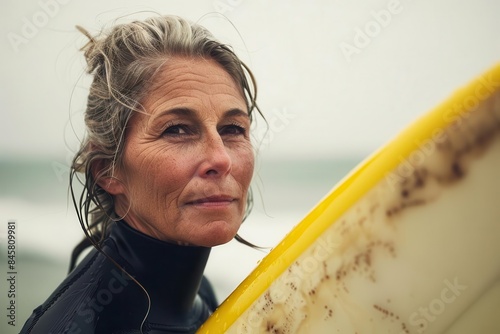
pixel 213 201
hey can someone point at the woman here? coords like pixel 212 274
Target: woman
pixel 167 164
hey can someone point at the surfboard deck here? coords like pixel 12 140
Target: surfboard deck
pixel 409 242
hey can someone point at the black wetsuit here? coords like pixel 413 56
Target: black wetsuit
pixel 97 297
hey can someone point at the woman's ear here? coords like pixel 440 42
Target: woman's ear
pixel 110 183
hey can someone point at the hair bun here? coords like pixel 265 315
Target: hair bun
pixel 90 50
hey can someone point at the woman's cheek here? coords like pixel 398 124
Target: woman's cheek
pixel 248 158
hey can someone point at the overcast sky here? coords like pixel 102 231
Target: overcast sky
pixel 335 77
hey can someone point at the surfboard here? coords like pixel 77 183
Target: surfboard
pixel 408 242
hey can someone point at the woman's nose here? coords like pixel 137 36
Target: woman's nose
pixel 216 159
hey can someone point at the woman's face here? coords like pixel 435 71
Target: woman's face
pixel 188 162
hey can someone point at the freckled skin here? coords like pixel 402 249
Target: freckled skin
pixel 188 162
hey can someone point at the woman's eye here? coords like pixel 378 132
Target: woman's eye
pixel 177 130
pixel 233 129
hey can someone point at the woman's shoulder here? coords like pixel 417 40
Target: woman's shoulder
pixel 99 297
pixel 96 289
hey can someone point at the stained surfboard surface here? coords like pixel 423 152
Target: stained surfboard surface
pixel 409 242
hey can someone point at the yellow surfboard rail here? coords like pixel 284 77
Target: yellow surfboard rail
pixel 424 130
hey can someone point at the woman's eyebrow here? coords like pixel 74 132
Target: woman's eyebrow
pixel 190 113
pixel 235 112
pixel 178 111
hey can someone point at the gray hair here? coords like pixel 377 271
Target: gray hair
pixel 123 62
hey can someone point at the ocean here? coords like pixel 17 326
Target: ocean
pixel 34 194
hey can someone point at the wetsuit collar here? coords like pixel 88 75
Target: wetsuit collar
pixel 170 273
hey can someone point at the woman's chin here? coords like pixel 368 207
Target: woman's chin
pixel 216 233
